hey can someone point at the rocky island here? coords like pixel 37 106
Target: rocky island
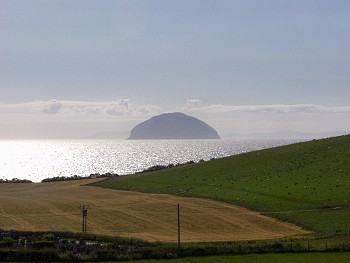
pixel 172 126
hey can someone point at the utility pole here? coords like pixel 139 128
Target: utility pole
pixel 178 228
pixel 84 212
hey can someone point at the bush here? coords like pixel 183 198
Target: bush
pixel 7 242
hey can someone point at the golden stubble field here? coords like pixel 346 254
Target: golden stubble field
pixel 152 217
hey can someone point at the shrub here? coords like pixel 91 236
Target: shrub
pixel 7 242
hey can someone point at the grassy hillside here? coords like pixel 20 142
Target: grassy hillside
pixel 306 183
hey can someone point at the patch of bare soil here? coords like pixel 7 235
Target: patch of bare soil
pixel 152 217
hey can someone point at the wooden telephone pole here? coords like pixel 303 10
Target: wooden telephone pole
pixel 178 228
pixel 84 213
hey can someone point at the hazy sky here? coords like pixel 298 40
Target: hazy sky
pixel 69 69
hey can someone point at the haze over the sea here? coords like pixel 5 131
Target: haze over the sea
pixel 74 69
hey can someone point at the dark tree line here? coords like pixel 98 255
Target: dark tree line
pixel 77 177
pixel 15 180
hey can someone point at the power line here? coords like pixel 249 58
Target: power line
pixel 187 212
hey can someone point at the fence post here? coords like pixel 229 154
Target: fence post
pixel 178 229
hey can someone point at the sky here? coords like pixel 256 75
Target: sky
pixel 71 69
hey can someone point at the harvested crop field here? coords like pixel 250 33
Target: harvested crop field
pixel 152 217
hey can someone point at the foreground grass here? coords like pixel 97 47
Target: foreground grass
pixel 265 258
pixel 306 183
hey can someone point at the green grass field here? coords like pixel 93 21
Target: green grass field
pixel 264 258
pixel 297 183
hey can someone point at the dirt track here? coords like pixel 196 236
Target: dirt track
pixel 153 217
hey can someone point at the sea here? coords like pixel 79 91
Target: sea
pixel 36 160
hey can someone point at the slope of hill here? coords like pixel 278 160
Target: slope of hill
pixel 307 183
pixel 173 126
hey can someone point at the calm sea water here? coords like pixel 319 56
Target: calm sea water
pixel 39 159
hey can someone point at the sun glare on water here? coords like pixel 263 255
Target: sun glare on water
pixel 39 159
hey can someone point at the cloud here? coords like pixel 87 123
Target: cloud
pixel 124 107
pixel 193 103
pixel 279 108
pixel 115 108
pixel 118 108
pixel 52 107
pixel 149 109
pixel 33 107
